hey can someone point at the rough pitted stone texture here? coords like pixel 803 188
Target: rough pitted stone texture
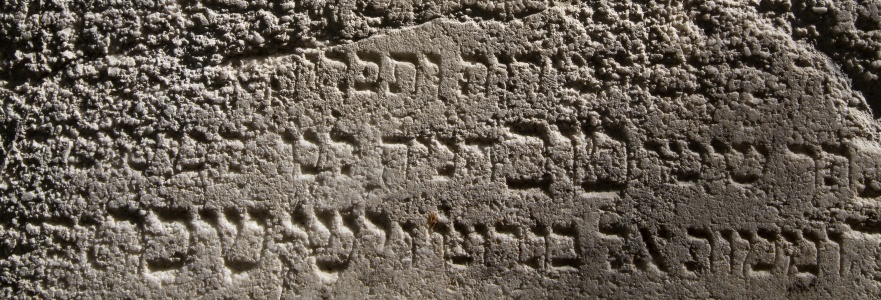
pixel 440 149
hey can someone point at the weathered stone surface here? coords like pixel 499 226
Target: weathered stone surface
pixel 440 149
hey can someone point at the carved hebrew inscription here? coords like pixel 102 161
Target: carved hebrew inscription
pixel 449 149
